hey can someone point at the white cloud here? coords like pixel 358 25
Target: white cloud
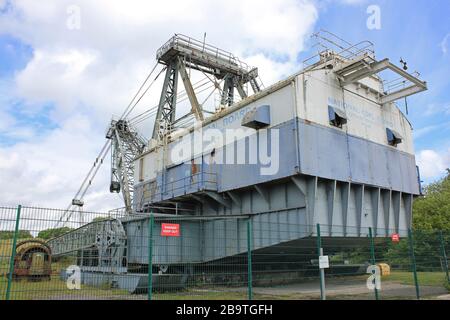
pixel 444 44
pixel 353 2
pixel 421 132
pixel 440 108
pixel 433 164
pixel 49 170
pixel 6 121
pixel 91 73
pixel 101 64
pixel 325 3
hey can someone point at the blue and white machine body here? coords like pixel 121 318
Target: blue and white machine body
pixel 327 146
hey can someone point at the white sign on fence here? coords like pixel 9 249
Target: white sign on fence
pixel 324 262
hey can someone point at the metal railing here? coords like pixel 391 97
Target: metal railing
pixel 329 42
pixel 193 44
pixel 189 184
pixel 163 256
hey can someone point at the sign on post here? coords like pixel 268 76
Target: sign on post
pixel 395 237
pixel 324 262
pixel 170 230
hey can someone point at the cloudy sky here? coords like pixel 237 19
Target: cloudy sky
pixel 61 82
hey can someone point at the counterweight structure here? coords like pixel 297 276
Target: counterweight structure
pixel 331 146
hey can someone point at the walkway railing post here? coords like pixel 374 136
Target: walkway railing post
pixel 372 257
pixel 150 258
pixel 249 258
pixel 413 261
pixel 13 253
pixel 321 271
pixel 444 255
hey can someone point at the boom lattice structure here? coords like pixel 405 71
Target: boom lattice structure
pixel 126 146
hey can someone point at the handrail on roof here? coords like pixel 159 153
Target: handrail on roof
pixel 332 43
pixel 366 49
pixel 180 39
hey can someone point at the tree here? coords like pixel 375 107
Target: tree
pixel 5 235
pixel 97 219
pixel 432 212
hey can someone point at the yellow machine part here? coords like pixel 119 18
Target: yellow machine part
pixel 385 269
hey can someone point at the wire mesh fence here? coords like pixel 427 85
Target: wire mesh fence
pixel 55 254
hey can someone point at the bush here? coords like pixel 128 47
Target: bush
pixel 53 233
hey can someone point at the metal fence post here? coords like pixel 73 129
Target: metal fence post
pixel 321 271
pixel 444 255
pixel 372 257
pixel 150 258
pixel 13 253
pixel 413 261
pixel 249 258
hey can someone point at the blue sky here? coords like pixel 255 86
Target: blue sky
pixel 414 31
pixel 59 87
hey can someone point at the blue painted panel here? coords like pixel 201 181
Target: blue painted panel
pixel 234 176
pixel 330 153
pixel 323 152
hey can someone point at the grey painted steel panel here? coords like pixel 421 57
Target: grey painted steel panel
pixel 324 152
pixel 329 153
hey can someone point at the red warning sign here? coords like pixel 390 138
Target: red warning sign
pixel 170 230
pixel 395 237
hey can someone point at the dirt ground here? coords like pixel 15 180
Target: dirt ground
pixel 345 288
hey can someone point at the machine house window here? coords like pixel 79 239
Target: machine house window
pixel 336 117
pixel 394 138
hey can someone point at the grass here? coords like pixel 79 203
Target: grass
pixel 424 278
pixel 54 289
pixel 227 295
pixel 5 254
pixel 5 248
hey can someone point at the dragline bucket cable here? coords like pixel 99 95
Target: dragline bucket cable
pixel 77 200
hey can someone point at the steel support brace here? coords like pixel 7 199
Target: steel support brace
pixel 444 255
pixel 195 106
pixel 167 103
pixel 150 258
pixel 227 92
pixel 13 254
pixel 249 258
pixel 372 258
pixel 321 271
pixel 413 262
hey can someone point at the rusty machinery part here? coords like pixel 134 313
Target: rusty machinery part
pixel 33 259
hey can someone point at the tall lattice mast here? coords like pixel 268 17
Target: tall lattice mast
pixel 181 53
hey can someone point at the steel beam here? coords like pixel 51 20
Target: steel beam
pixel 167 101
pixel 408 91
pixel 195 106
pixel 263 192
pixel 345 199
pixel 235 198
pixel 219 199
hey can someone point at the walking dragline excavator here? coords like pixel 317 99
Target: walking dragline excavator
pixel 180 57
pixel 342 148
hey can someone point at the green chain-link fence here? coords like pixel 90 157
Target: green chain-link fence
pixel 58 254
